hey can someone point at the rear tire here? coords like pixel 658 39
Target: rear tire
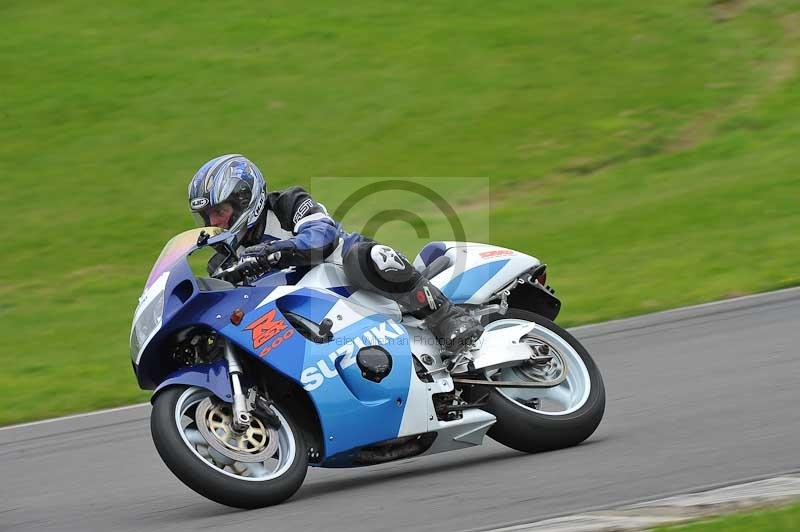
pixel 522 427
pixel 208 479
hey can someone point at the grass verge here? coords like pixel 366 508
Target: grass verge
pixel 647 152
pixel 786 519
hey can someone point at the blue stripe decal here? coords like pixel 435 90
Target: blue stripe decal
pixel 464 286
pixel 344 291
pixel 314 306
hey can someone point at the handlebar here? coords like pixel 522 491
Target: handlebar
pixel 238 273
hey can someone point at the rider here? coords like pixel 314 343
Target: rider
pixel 289 228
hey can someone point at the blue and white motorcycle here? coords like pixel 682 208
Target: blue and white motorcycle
pixel 255 382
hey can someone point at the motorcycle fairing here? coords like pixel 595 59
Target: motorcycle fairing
pixel 187 307
pixel 477 271
pixel 353 411
pixel 308 303
pixel 462 287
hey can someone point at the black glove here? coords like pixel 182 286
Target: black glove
pixel 266 255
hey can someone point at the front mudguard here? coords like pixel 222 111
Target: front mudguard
pixel 213 377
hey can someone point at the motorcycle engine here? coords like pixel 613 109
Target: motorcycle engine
pixel 197 347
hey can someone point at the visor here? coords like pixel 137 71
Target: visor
pixel 203 217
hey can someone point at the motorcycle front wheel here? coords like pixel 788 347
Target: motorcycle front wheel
pixel 192 431
pixel 563 412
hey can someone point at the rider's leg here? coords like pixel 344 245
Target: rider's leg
pixel 376 267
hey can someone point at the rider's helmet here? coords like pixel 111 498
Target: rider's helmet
pixel 229 192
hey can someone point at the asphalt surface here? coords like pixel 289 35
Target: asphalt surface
pixel 696 397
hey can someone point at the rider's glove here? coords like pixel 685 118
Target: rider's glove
pixel 266 255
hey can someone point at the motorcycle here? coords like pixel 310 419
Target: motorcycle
pixel 258 380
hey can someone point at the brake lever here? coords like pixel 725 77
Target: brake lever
pixel 231 275
pixel 240 272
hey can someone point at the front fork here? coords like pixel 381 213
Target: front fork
pixel 241 414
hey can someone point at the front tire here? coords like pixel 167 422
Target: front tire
pixel 522 421
pixel 214 470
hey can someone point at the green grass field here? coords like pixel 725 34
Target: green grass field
pixel 647 151
pixel 786 519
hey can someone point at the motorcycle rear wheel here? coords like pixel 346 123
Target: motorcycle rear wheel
pixel 262 467
pixel 544 419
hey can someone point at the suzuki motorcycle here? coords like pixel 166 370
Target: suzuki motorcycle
pixel 256 381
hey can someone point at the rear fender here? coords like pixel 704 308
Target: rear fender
pixel 536 298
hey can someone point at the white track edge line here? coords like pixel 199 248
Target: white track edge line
pixel 732 301
pixel 74 416
pixel 662 509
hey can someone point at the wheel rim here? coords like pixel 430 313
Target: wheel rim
pixel 565 365
pixel 261 453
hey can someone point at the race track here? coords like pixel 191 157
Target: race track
pixel 696 397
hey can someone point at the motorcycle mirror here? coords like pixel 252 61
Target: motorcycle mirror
pixel 202 239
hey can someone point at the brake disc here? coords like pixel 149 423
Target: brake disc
pixel 214 420
pixel 546 365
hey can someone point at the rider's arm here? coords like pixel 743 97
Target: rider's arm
pixel 315 234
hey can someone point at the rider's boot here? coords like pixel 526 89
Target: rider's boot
pixel 454 328
pixel 380 268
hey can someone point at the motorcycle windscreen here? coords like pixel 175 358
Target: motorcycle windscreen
pixel 176 249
